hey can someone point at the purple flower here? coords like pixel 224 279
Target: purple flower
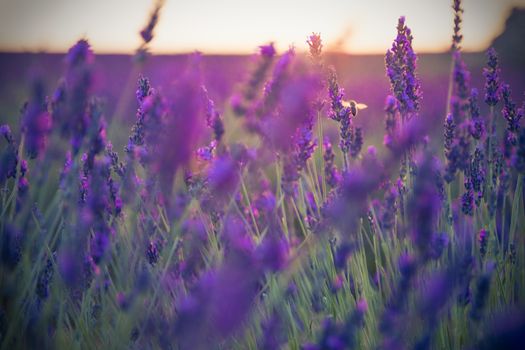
pixel 357 142
pixel 44 279
pixel 295 161
pixel 273 333
pixel 99 246
pixel 511 114
pixel 400 68
pixel 450 132
pixel 66 170
pixel 242 103
pixel 452 149
pixel 11 246
pixel 144 89
pixel 505 331
pixel 481 294
pixel 315 46
pixel 267 50
pixel 483 241
pixel 477 173
pixel 391 120
pixel 491 74
pixel 338 111
pixel 519 157
pixel 213 118
pixel 459 103
pixel 295 110
pixel 341 255
pixel 389 208
pixel 330 170
pixel 147 32
pixel 223 176
pixel 8 156
pixel 71 98
pixel 75 268
pixel 23 183
pixel 223 297
pixel 36 123
pixel 272 253
pixel 181 132
pixel 477 126
pixel 423 207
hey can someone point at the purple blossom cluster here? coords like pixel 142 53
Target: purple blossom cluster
pixel 400 62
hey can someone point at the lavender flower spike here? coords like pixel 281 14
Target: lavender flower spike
pixel 400 68
pixel 491 74
pixel 457 36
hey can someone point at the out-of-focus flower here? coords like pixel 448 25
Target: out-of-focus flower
pixel 519 157
pixel 391 120
pixel 71 98
pixel 8 156
pixel 223 176
pixel 482 293
pixel 357 142
pixel 181 132
pixel 424 207
pixel 242 103
pixel 295 111
pixel 36 123
pixel 315 45
pixel 223 297
pixel 11 246
pixel 459 102
pixel 272 253
pixel 147 32
pixel 505 331
pixel 338 336
pixel 267 50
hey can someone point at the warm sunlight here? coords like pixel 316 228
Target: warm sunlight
pixel 238 26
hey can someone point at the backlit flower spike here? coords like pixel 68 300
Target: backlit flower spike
pixel 401 62
pixel 315 45
pixel 457 36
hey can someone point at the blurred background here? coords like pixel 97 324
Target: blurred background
pixel 35 34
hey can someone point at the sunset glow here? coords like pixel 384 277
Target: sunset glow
pixel 235 26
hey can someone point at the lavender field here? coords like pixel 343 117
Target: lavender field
pixel 282 200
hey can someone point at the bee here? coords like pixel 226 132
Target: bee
pixel 354 106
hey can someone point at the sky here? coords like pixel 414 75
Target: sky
pixel 240 26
